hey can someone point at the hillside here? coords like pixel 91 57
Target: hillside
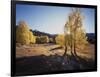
pixel 39 33
pixel 90 36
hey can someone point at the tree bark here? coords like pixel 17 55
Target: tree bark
pixel 65 46
pixel 75 44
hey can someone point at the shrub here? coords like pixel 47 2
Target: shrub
pixel 60 40
pixel 38 39
pixel 32 38
pixel 51 40
pixel 42 39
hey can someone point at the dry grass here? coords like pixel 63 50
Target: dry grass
pixel 88 52
pixel 45 49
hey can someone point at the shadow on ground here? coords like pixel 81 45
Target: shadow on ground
pixel 45 64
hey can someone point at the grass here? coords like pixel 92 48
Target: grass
pixel 51 49
pixel 46 58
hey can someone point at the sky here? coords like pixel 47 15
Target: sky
pixel 51 19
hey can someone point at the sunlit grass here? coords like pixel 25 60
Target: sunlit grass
pixel 45 49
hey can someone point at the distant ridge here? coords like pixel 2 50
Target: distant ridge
pixel 90 36
pixel 39 33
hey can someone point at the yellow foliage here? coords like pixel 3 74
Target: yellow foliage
pixel 60 40
pixel 81 39
pixel 23 34
pixel 74 29
pixel 32 37
pixel 42 39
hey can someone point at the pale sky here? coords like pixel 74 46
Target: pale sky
pixel 51 19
